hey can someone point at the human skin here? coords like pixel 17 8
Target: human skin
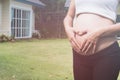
pixel 93 24
pixel 90 32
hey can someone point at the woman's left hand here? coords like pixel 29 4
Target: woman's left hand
pixel 90 40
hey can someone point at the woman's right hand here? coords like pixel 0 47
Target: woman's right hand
pixel 71 34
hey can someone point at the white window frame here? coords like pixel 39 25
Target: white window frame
pixel 31 14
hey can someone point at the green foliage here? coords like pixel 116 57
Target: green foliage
pixel 36 34
pixel 4 38
pixel 54 5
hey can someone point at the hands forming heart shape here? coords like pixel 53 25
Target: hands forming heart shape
pixel 83 42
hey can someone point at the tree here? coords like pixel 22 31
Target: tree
pixel 54 5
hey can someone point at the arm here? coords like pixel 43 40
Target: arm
pixel 110 30
pixel 68 25
pixel 68 20
pixel 91 39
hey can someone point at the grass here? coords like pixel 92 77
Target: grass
pixel 36 60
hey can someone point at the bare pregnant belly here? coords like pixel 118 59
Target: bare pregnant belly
pixel 91 22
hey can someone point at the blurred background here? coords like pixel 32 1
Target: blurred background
pixel 21 19
pixel 49 20
pixel 49 57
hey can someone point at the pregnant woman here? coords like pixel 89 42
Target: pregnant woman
pixel 91 29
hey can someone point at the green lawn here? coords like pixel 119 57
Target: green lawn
pixel 36 60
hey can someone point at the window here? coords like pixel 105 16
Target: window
pixel 20 25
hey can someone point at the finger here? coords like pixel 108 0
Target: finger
pixel 81 33
pixel 76 43
pixel 74 46
pixel 88 48
pixel 83 43
pixel 78 40
pixel 94 48
pixel 85 46
pixel 75 31
pixel 75 49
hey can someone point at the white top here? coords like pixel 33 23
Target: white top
pixel 105 8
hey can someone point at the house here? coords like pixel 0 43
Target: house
pixel 67 3
pixel 17 17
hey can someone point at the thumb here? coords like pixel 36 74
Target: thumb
pixel 82 32
pixel 76 31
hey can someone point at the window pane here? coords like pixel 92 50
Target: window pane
pixel 25 14
pixel 20 23
pixel 18 13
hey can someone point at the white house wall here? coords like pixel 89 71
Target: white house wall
pixel 5 27
pixel 20 5
pixel 33 22
pixel 5 15
pixel 26 7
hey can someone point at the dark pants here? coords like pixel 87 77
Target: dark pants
pixel 104 65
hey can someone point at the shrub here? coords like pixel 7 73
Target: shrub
pixel 4 38
pixel 36 34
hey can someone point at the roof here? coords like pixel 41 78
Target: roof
pixel 32 2
pixel 67 3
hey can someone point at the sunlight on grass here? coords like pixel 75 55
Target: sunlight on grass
pixel 36 60
pixel 119 78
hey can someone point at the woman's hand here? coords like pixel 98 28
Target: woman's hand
pixel 71 34
pixel 89 41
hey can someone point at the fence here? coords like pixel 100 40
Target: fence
pixel 50 24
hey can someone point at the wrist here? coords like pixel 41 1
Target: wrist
pixel 99 33
pixel 103 32
pixel 67 28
